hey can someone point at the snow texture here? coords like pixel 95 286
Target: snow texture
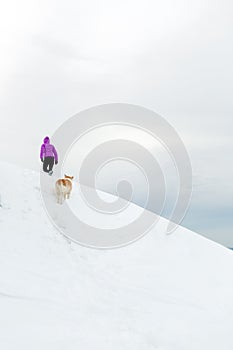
pixel 164 292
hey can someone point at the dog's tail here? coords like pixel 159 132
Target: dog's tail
pixel 60 186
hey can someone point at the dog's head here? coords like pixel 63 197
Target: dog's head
pixel 68 177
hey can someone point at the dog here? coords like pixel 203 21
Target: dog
pixel 63 188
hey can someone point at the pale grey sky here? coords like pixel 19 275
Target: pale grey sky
pixel 174 57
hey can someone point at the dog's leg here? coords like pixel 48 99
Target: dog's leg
pixel 60 198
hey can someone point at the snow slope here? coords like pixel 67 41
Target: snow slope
pixel 162 292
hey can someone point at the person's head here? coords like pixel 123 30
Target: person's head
pixel 46 139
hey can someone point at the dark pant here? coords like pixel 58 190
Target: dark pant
pixel 48 164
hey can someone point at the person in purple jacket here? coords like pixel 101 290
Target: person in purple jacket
pixel 48 155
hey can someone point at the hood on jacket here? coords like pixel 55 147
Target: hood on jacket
pixel 46 139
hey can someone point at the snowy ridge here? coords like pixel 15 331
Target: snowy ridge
pixel 162 292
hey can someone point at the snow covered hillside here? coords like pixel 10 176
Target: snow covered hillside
pixel 164 292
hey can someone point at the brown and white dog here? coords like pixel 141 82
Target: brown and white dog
pixel 63 188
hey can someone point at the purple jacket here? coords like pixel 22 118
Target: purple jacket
pixel 48 150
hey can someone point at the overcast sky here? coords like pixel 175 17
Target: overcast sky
pixel 174 57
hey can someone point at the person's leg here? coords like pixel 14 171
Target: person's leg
pixel 51 163
pixel 45 164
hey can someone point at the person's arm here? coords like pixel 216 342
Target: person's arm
pixel 42 151
pixel 55 155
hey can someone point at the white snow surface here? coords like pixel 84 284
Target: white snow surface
pixel 164 292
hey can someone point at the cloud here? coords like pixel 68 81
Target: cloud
pixel 57 48
pixel 173 57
